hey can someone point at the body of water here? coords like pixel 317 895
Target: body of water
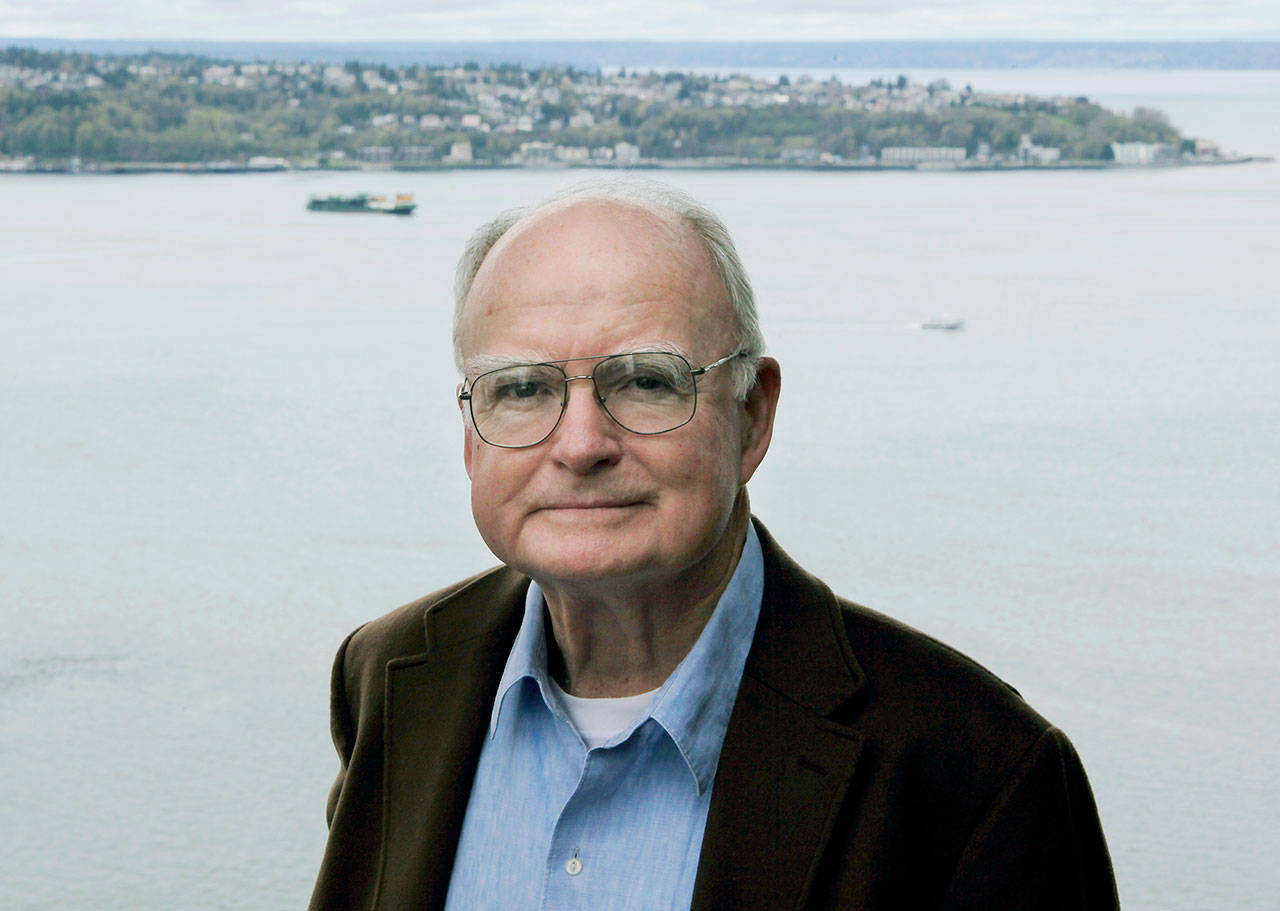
pixel 228 435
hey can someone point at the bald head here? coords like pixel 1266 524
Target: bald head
pixel 590 251
pixel 681 231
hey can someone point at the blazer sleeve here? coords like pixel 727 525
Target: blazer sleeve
pixel 1039 844
pixel 341 725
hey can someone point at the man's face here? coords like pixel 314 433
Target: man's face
pixel 595 501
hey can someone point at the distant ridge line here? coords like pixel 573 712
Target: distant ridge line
pixel 593 55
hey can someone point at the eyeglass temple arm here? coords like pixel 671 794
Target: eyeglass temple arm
pixel 724 360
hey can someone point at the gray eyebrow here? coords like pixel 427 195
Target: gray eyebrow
pixel 483 363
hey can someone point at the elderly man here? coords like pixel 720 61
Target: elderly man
pixel 649 705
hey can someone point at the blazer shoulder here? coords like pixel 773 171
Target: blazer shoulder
pixel 894 673
pixel 402 633
pixel 928 693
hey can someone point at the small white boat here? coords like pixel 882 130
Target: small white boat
pixel 950 323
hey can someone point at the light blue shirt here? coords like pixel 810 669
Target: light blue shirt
pixel 553 826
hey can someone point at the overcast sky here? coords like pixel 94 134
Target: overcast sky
pixel 697 20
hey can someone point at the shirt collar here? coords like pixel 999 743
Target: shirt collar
pixel 528 658
pixel 694 704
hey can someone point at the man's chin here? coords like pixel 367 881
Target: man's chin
pixel 584 557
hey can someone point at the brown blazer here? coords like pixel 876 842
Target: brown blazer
pixel 866 766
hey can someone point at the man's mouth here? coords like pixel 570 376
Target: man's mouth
pixel 594 503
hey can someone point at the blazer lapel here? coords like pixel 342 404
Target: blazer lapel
pixel 437 712
pixel 785 765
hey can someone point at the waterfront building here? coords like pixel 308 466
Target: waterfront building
pixel 415 154
pixel 375 154
pixel 268 163
pixel 572 153
pixel 626 153
pixel 1207 148
pixel 905 156
pixel 459 152
pixel 537 153
pixel 1141 152
pixel 1031 153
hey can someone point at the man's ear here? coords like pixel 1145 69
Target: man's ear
pixel 759 409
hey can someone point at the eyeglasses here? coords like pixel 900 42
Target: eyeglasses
pixel 645 392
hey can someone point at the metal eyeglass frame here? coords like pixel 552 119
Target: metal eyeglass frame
pixel 464 395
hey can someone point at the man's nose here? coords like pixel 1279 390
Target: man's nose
pixel 586 438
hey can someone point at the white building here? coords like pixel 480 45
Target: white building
pixel 338 77
pixel 1141 152
pixel 626 153
pixel 267 163
pixel 415 153
pixel 1030 152
pixel 913 155
pixel 1207 148
pixel 537 152
pixel 219 74
pixel 459 153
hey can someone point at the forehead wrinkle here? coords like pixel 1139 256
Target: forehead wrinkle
pixel 591 227
pixel 674 233
pixel 526 245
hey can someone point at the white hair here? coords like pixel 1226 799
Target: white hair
pixel 658 199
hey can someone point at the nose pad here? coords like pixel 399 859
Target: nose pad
pixel 587 436
pixel 592 393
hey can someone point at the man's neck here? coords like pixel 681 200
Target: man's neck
pixel 626 638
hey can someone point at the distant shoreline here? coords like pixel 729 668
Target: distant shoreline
pixel 129 168
pixel 75 112
pixel 965 54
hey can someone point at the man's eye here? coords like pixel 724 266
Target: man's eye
pixel 649 382
pixel 524 390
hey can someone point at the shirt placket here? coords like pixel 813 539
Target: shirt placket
pixel 574 874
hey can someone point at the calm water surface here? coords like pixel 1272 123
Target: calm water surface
pixel 229 436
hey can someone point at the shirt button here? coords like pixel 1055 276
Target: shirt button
pixel 573 866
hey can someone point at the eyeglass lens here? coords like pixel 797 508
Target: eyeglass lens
pixel 645 392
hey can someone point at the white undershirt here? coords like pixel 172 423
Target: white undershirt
pixel 600 720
